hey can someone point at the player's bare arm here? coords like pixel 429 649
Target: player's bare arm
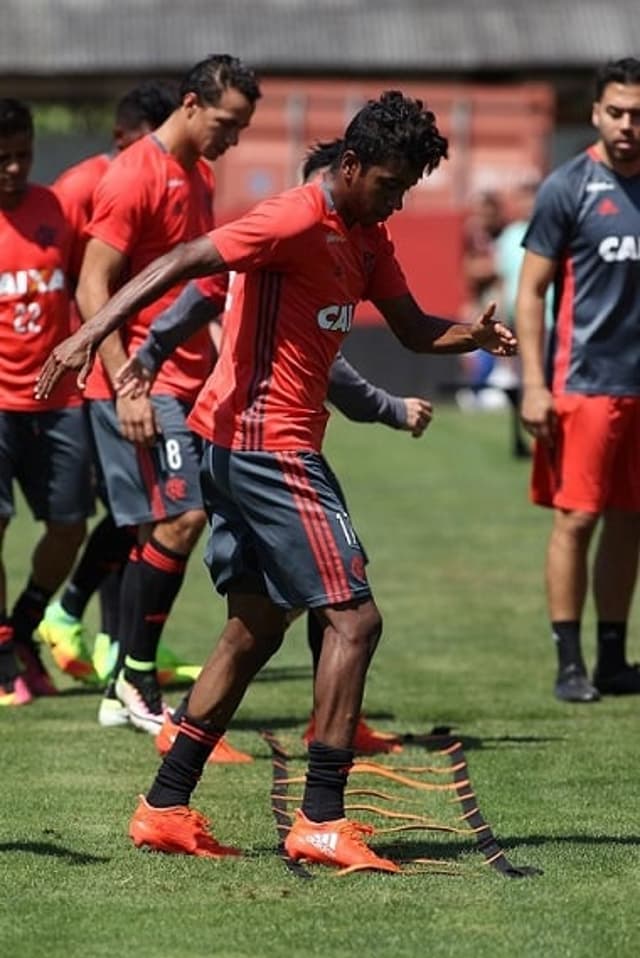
pixel 537 404
pixel 102 268
pixel 77 352
pixel 423 333
pixel 100 274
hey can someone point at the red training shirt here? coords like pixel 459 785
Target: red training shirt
pixel 302 272
pixel 144 205
pixel 34 300
pixel 75 188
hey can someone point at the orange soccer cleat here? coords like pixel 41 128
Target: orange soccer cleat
pixel 334 843
pixel 366 741
pixel 177 830
pixel 223 754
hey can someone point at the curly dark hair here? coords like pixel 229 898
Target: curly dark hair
pixel 15 117
pixel 626 71
pixel 216 73
pixel 150 102
pixel 396 127
pixel 326 153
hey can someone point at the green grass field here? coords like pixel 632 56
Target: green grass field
pixel 456 564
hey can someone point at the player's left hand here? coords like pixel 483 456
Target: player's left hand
pixel 73 353
pixel 490 334
pixel 133 379
pixel 419 413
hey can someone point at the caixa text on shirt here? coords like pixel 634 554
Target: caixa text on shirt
pixel 30 281
pixel 617 249
pixel 338 318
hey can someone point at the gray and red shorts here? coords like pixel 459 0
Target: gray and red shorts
pixel 49 455
pixel 279 526
pixel 148 483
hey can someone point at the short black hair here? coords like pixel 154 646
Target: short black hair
pixel 326 153
pixel 150 102
pixel 396 127
pixel 216 73
pixel 15 117
pixel 624 71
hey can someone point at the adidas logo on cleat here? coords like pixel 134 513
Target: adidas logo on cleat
pixel 326 842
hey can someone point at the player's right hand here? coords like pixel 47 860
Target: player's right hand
pixel 72 353
pixel 537 413
pixel 137 419
pixel 133 379
pixel 419 413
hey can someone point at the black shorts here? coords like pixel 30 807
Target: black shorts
pixel 148 483
pixel 279 526
pixel 49 455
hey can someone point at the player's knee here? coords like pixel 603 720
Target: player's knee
pixel 247 642
pixel 362 632
pixel 181 533
pixel 576 524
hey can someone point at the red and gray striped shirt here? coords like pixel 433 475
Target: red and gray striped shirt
pixel 302 273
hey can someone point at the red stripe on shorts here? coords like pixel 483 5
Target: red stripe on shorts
pixel 318 529
pixel 150 480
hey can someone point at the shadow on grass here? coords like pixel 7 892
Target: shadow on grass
pixel 429 740
pixel 49 850
pixel 453 850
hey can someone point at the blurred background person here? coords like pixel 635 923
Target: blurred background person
pixel 482 227
pixel 509 255
pixel 43 447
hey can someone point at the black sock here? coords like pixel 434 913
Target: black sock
pixel 326 781
pixel 181 710
pixel 129 607
pixel 105 550
pixel 160 575
pixel 567 638
pixel 612 640
pixel 183 764
pixel 28 611
pixel 315 633
pixel 109 595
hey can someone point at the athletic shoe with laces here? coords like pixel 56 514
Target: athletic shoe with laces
pixel 340 842
pixel 223 753
pixel 34 673
pixel 572 685
pixel 14 692
pixel 112 713
pixel 66 637
pixel 176 830
pixel 366 741
pixel 143 700
pixel 625 681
